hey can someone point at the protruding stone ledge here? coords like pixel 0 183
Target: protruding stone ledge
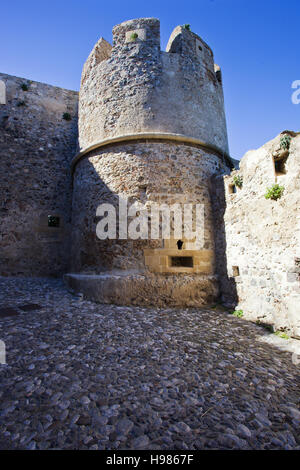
pixel 152 136
pixel 146 288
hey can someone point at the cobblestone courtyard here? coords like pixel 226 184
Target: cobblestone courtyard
pixel 89 376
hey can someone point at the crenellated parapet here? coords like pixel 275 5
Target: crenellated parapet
pixel 135 88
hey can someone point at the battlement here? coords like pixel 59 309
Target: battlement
pixel 190 45
pixel 138 33
pixel 135 88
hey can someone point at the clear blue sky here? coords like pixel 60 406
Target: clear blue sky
pixel 256 42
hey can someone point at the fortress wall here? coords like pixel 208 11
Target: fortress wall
pixel 262 238
pixel 139 88
pixel 36 148
pixel 158 100
pixel 145 172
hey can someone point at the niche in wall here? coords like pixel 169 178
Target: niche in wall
pixel 280 164
pixel 53 221
pixel 235 271
pixel 232 189
pixel 182 262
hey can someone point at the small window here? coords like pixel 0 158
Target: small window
pixel 219 76
pixel 232 189
pixel 179 244
pixel 235 271
pixel 280 168
pixel 182 262
pixel 53 221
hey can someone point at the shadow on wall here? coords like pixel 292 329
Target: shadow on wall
pixel 145 176
pixel 38 139
pixel 227 284
pixel 90 254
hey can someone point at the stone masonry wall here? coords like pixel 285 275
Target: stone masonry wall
pixel 258 242
pixel 36 148
pixel 139 171
pixel 135 87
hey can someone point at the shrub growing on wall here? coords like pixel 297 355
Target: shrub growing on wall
pixel 275 192
pixel 238 181
pixel 134 36
pixel 285 142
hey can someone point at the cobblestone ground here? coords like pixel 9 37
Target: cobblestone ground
pixel 89 376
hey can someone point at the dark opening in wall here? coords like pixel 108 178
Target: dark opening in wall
pixel 182 262
pixel 219 76
pixel 232 189
pixel 53 221
pixel 235 271
pixel 279 164
pixel 179 244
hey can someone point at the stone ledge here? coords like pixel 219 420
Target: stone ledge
pixel 151 136
pixel 141 289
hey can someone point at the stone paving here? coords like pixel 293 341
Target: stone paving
pixel 81 375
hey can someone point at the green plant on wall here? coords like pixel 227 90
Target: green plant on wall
pixel 275 192
pixel 285 142
pixel 238 313
pixel 134 36
pixel 24 87
pixel 281 334
pixel 187 26
pixel 238 180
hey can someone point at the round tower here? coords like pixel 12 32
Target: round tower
pixel 152 132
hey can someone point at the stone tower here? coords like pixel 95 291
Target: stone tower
pixel 152 129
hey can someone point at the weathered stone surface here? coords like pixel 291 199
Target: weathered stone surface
pixel 100 52
pixel 261 237
pixel 141 88
pixel 146 172
pixel 36 148
pixel 140 289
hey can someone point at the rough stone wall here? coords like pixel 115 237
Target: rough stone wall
pixel 261 237
pixel 36 148
pixel 131 89
pixel 140 171
pixel 142 89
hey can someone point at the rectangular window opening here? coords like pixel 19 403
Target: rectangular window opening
pixel 182 262
pixel 53 221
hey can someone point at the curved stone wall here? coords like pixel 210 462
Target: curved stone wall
pixel 151 130
pixel 140 89
pixel 142 172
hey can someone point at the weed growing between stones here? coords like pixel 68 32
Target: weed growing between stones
pixel 238 181
pixel 285 142
pixel 281 334
pixel 237 313
pixel 275 192
pixel 134 36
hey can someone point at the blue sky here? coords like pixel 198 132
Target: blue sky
pixel 256 43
